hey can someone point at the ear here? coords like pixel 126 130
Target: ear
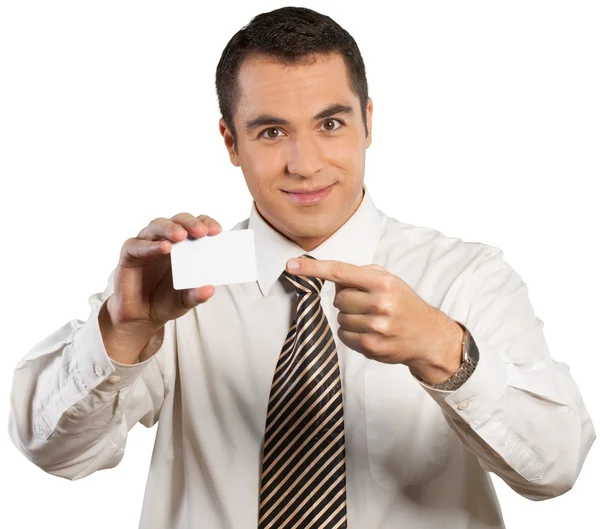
pixel 228 138
pixel 369 122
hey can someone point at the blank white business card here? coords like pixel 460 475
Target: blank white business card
pixel 223 259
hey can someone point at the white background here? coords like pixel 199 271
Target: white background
pixel 486 127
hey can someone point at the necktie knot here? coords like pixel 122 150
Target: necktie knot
pixel 305 285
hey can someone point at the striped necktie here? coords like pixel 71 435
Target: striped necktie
pixel 303 475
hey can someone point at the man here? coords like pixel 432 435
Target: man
pixel 373 385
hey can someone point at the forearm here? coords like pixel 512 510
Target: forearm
pixel 531 429
pixel 72 406
pixel 519 412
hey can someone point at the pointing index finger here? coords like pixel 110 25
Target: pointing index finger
pixel 338 272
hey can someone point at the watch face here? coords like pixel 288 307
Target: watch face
pixel 473 350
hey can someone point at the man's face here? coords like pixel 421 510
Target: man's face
pixel 294 145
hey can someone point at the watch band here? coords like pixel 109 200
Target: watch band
pixel 470 357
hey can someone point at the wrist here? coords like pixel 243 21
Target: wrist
pixel 123 326
pixel 124 342
pixel 445 358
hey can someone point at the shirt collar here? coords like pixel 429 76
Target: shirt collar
pixel 354 242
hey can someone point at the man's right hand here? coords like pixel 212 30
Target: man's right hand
pixel 144 298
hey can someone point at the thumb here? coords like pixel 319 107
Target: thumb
pixel 194 296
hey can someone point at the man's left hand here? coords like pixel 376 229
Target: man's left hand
pixel 381 317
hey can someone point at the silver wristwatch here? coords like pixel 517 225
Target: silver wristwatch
pixel 470 357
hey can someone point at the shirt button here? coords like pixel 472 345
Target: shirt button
pixel 113 379
pixel 39 430
pixel 463 405
pixel 98 370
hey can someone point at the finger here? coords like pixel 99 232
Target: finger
pixel 363 278
pixel 363 323
pixel 190 297
pixel 162 228
pixel 213 226
pixel 354 340
pixel 376 267
pixel 137 251
pixel 353 301
pixel 197 227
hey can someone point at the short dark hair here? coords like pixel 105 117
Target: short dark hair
pixel 290 35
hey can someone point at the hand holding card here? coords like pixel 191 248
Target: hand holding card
pixel 144 298
pixel 144 295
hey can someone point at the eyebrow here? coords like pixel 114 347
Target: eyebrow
pixel 269 119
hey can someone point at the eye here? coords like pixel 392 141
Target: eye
pixel 265 133
pixel 329 121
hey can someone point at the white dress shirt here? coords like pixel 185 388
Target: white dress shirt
pixel 416 457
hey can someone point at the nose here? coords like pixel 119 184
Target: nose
pixel 304 156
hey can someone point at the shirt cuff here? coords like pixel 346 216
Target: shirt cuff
pixel 477 399
pixel 95 369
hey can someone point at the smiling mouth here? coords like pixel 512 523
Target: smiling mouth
pixel 309 198
pixel 305 191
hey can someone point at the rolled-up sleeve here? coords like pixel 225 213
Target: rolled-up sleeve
pixel 520 412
